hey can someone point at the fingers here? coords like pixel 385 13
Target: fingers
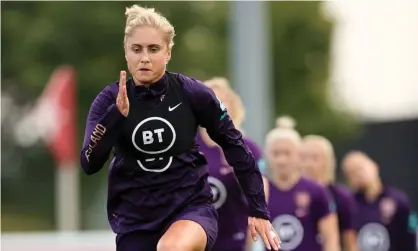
pixel 276 239
pixel 122 101
pixel 122 79
pixel 122 84
pixel 266 231
pixel 125 95
pixel 273 238
pixel 253 231
pixel 277 242
pixel 265 239
pixel 258 226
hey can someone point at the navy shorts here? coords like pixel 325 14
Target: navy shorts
pixel 204 215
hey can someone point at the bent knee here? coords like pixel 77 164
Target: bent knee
pixel 183 235
pixel 174 245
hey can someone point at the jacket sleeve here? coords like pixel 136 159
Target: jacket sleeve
pixel 212 115
pixel 101 132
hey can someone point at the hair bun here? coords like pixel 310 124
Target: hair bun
pixel 136 10
pixel 285 122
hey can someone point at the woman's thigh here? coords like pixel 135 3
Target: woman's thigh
pixel 137 241
pixel 194 229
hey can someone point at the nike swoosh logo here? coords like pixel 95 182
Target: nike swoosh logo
pixel 174 107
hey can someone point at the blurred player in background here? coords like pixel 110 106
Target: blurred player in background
pixel 301 210
pixel 228 198
pixel 384 219
pixel 318 163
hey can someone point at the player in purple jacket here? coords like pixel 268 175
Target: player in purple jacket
pixel 384 219
pixel 159 197
pixel 318 163
pixel 301 210
pixel 227 194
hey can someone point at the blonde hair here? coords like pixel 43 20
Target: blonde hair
pixel 329 153
pixel 284 130
pixel 237 111
pixel 137 16
pixel 357 153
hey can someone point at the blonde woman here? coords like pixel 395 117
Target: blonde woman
pixel 318 163
pixel 227 195
pixel 301 209
pixel 159 197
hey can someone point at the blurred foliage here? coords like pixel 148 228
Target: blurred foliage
pixel 39 36
pixel 301 40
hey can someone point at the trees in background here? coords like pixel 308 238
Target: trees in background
pixel 38 36
pixel 301 41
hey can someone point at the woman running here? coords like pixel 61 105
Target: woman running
pixel 159 196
